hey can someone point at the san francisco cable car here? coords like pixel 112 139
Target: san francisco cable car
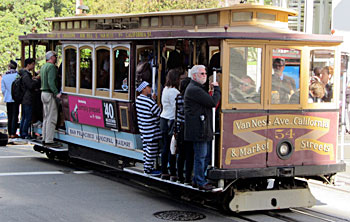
pixel 278 116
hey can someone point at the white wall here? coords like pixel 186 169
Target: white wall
pixel 341 24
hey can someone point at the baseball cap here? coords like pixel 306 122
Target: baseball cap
pixel 13 64
pixel 49 54
pixel 143 85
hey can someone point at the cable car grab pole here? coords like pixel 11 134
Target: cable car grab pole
pixel 343 117
pixel 213 141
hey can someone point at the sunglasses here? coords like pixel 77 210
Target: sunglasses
pixel 203 73
pixel 244 84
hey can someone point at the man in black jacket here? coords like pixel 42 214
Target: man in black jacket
pixel 28 84
pixel 198 122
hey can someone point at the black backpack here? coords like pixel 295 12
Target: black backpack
pixel 17 90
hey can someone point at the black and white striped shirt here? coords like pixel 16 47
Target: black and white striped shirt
pixel 148 118
pixel 180 111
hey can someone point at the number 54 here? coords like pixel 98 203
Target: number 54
pixel 284 133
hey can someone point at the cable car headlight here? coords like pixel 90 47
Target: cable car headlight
pixel 284 149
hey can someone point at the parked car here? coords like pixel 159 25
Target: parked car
pixel 3 129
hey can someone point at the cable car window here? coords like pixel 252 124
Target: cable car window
pixel 321 76
pixel 121 63
pixel 285 76
pixel 242 16
pixel 245 75
pixel 103 69
pixel 85 68
pixel 70 67
pixel 265 16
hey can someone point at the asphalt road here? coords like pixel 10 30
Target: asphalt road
pixel 34 188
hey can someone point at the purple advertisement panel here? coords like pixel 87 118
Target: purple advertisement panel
pixel 86 111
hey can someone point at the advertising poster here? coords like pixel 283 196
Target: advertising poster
pixel 93 112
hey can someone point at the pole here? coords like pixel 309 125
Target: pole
pixel 343 116
pixel 213 141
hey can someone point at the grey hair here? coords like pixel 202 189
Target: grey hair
pixel 195 70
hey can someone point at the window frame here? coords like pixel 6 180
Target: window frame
pixel 64 87
pixel 225 58
pixel 336 80
pixel 303 78
pixel 79 89
pixel 118 95
pixel 98 92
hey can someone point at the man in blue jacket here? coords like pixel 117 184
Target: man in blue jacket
pixel 11 106
pixel 199 122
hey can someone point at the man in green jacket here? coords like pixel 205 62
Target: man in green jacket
pixel 49 93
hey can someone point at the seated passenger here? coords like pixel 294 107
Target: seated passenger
pixel 317 92
pixel 176 56
pixel 144 69
pixel 316 75
pixel 121 71
pixel 246 93
pixel 325 77
pixel 284 85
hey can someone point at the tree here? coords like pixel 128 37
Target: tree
pixel 18 17
pixel 142 6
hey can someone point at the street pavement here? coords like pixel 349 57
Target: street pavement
pixel 34 188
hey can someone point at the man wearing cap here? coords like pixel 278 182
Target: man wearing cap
pixel 148 118
pixel 48 75
pixel 11 106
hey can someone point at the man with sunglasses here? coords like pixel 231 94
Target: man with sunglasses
pixel 198 122
pixel 284 85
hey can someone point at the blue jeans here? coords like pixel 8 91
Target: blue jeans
pixel 202 157
pixel 26 119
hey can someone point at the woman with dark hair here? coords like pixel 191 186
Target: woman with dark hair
pixel 167 123
pixel 184 148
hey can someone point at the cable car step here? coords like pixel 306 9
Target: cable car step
pixel 62 148
pixel 139 171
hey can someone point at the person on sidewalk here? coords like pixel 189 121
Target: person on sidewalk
pixel 29 84
pixel 198 122
pixel 11 106
pixel 48 75
pixel 148 118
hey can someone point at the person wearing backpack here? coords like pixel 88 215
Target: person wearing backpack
pixel 28 86
pixel 49 93
pixel 11 105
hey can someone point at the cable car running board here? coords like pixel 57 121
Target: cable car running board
pixel 135 170
pixel 62 148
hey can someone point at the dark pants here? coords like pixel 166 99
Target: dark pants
pixel 165 127
pixel 26 119
pixel 185 150
pixel 12 115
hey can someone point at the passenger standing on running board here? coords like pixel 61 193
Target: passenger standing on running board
pixel 48 75
pixel 148 118
pixel 199 123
